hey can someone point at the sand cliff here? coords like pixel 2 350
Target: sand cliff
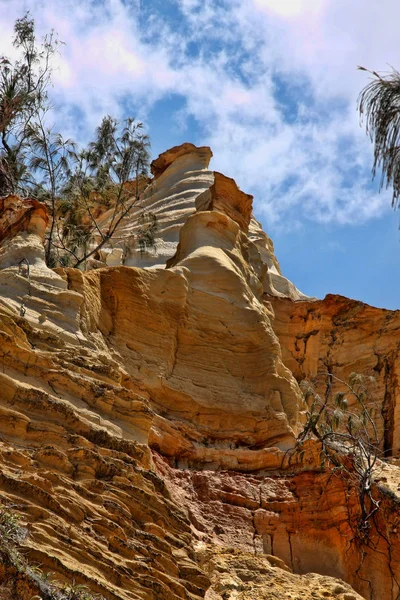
pixel 147 407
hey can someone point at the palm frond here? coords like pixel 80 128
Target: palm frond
pixel 379 108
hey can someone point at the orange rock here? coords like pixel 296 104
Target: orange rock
pixel 225 196
pixel 342 336
pixel 147 416
pixel 160 164
pixel 18 215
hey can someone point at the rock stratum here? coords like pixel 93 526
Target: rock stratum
pixel 148 409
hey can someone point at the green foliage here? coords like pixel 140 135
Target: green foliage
pixel 99 176
pixel 119 152
pixel 379 106
pixel 37 161
pixel 23 95
pixel 10 527
pixel 49 158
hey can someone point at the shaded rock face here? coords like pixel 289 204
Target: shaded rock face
pixel 306 519
pixel 341 336
pixel 146 414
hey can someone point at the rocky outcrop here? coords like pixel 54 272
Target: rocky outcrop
pixel 340 336
pixel 181 185
pixel 28 288
pixel 167 158
pixel 148 415
pixel 22 229
pixel 299 514
pixel 224 196
pixel 181 174
pixel 211 363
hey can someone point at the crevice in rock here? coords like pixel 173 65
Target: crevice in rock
pixel 388 406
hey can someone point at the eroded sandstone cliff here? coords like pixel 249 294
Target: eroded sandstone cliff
pixel 147 413
pixel 183 183
pixel 340 336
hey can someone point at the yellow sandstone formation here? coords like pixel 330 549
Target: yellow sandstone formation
pixel 147 415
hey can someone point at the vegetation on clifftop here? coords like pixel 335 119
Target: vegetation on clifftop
pixel 77 184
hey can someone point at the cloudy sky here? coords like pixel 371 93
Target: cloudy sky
pixel 272 87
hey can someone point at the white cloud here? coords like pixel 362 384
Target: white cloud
pixel 297 147
pixel 290 8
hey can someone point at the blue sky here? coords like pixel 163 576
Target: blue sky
pixel 271 86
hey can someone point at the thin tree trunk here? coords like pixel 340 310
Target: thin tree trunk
pixel 108 235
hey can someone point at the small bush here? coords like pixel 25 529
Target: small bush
pixel 10 527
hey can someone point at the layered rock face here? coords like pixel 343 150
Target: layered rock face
pixel 300 515
pixel 28 288
pixel 148 415
pixel 198 337
pixel 75 463
pixel 340 336
pixel 182 183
